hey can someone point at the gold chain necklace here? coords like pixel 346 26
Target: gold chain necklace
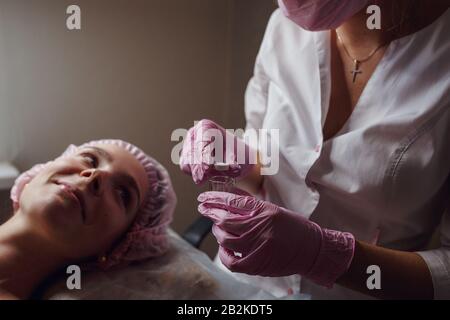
pixel 356 62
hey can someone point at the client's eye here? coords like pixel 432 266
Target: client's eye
pixel 125 196
pixel 90 159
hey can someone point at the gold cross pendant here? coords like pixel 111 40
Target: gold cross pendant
pixel 355 70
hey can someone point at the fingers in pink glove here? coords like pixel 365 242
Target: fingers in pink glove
pixel 197 157
pixel 238 224
pixel 244 243
pixel 234 213
pixel 249 263
pixel 232 223
pixel 229 259
pixel 195 154
pixel 237 204
pixel 275 241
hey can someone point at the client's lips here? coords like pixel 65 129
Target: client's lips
pixel 77 194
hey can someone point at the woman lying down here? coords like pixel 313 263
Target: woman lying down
pixel 104 203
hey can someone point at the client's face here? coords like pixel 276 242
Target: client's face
pixel 83 203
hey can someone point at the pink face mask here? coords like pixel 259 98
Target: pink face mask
pixel 318 15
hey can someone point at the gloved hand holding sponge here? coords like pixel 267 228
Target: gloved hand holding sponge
pixel 200 153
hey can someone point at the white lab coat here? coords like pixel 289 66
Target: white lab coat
pixel 385 176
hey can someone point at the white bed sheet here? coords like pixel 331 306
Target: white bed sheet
pixel 183 273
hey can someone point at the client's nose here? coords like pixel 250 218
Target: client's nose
pixel 96 180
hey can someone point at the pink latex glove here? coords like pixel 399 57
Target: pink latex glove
pixel 197 158
pixel 274 241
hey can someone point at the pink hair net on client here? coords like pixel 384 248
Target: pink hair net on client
pixel 147 236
